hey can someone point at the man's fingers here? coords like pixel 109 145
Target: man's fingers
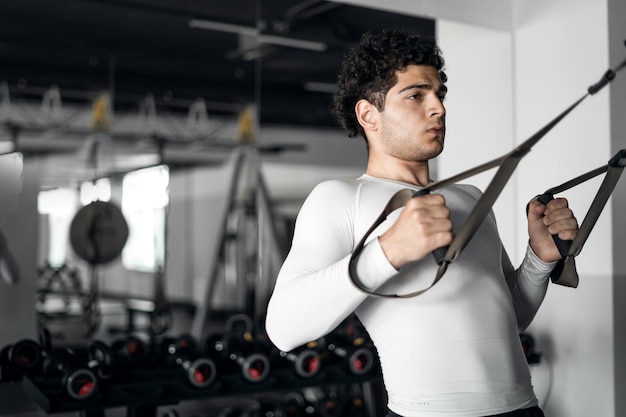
pixel 560 220
pixel 556 204
pixel 559 217
pixel 566 228
pixel 535 210
pixel 552 211
pixel 553 218
pixel 431 205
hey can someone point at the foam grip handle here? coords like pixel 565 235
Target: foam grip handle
pixel 439 253
pixel 562 245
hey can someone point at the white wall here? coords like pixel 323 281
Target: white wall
pixel 617 51
pixel 555 61
pixel 480 112
pixel 552 63
pixel 487 67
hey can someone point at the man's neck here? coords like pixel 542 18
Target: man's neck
pixel 416 174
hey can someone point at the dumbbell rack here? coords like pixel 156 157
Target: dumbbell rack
pixel 228 367
pixel 142 391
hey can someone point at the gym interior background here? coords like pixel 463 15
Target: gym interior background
pixel 155 156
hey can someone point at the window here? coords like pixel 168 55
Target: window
pixel 60 206
pixel 144 204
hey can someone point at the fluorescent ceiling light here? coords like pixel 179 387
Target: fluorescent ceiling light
pixel 292 43
pixel 222 27
pixel 267 39
pixel 320 87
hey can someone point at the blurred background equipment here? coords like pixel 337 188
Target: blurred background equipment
pixel 98 232
pixel 155 145
pixel 9 269
pixel 143 374
pixel 528 346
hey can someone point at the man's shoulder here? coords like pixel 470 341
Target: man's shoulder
pixel 337 185
pixel 333 192
pixel 352 190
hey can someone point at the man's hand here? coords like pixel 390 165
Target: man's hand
pixel 554 218
pixel 423 226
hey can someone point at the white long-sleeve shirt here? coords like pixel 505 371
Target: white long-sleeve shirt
pixel 452 351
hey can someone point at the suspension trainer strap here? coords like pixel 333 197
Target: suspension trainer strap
pixel 565 272
pixel 507 164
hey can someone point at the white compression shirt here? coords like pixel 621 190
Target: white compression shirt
pixel 452 351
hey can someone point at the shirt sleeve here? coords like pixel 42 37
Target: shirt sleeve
pixel 313 292
pixel 528 285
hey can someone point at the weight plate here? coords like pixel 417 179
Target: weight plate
pixel 98 232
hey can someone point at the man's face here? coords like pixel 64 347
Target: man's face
pixel 413 122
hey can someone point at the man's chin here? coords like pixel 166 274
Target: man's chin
pixel 437 150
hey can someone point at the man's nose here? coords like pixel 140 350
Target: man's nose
pixel 436 107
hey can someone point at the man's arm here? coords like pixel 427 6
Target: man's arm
pixel 529 283
pixel 313 292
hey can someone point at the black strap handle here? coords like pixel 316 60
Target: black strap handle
pixel 565 272
pixel 562 245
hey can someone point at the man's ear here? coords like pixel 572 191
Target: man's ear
pixel 366 114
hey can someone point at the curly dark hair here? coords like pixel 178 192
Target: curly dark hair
pixel 368 70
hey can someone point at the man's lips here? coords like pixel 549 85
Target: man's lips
pixel 437 130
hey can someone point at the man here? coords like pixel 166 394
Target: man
pixel 455 349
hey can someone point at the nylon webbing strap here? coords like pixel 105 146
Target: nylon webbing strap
pixel 506 163
pixel 565 272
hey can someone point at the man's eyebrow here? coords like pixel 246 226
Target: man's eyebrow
pixel 424 86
